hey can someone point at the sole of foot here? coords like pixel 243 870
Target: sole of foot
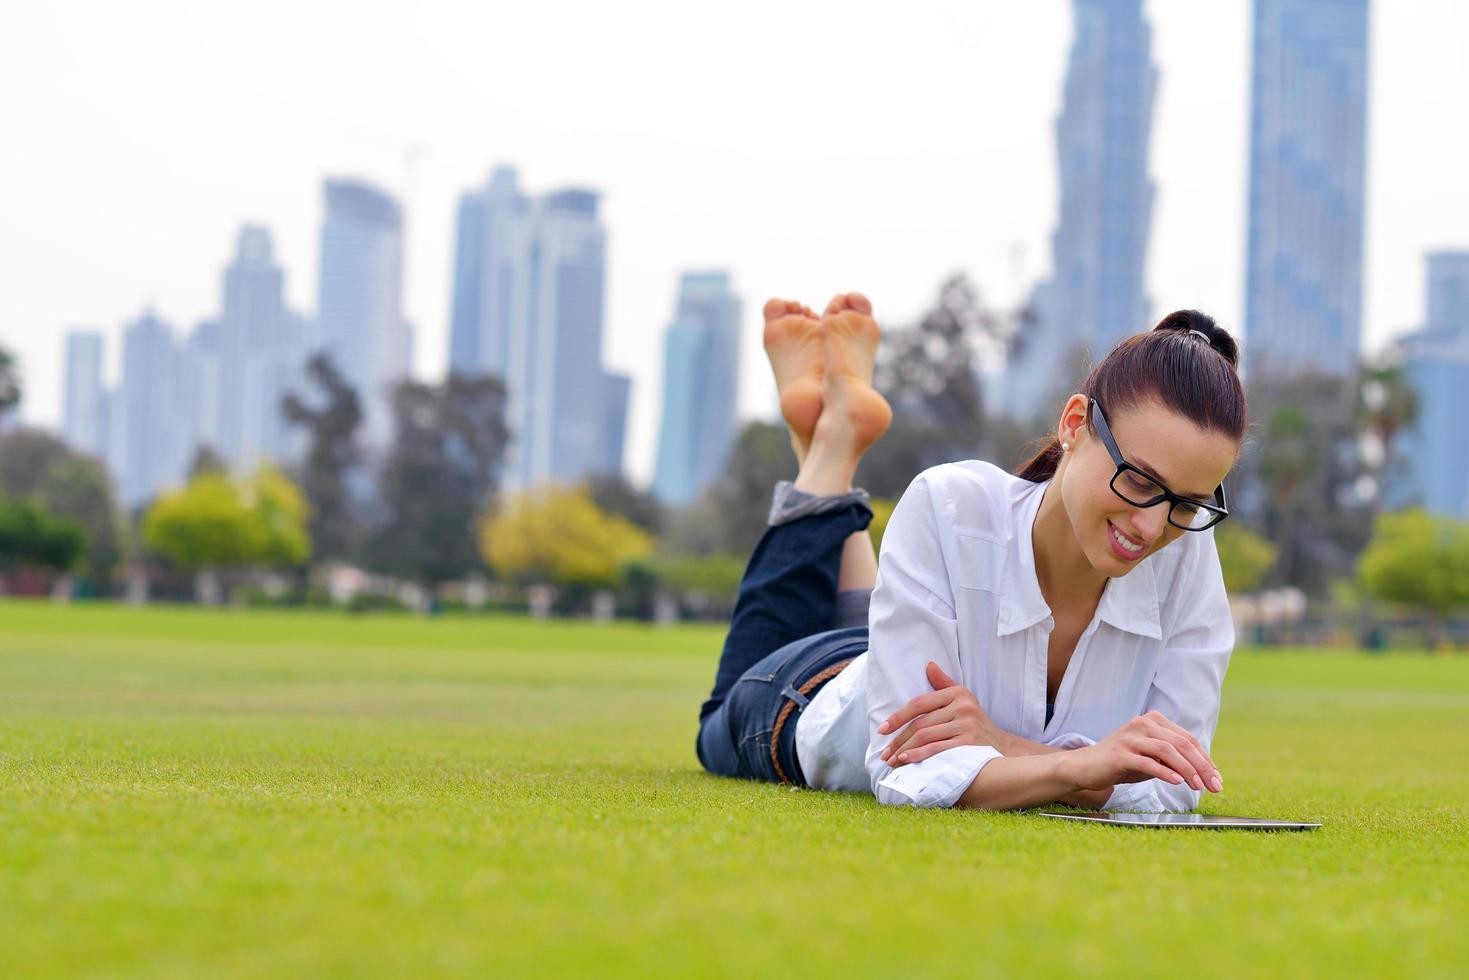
pixel 851 337
pixel 796 348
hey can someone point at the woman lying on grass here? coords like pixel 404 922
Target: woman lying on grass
pixel 1057 635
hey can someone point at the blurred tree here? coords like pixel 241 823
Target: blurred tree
pixel 1300 485
pixel 1386 405
pixel 930 374
pixel 613 493
pixel 443 469
pixel 37 466
pixel 10 390
pixel 332 459
pixel 730 516
pixel 214 523
pixel 1244 556
pixel 1420 562
pixel 558 536
pixel 30 537
pixel 206 460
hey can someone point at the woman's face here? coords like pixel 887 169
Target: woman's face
pixel 1188 460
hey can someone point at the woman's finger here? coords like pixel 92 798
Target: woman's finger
pixel 927 735
pixel 1200 760
pixel 920 705
pixel 1165 752
pixel 926 752
pixel 1194 751
pixel 1148 768
pixel 1163 720
pixel 907 738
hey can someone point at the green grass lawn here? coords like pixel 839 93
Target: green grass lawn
pixel 188 793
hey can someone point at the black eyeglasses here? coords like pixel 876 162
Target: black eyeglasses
pixel 1141 490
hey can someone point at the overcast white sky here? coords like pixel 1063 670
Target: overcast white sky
pixel 808 147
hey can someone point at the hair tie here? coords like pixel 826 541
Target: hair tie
pixel 1200 333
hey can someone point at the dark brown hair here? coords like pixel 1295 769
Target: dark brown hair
pixel 1172 365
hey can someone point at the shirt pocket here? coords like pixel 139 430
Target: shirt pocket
pixel 979 562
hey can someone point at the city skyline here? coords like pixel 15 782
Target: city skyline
pixel 808 225
pixel 700 386
pixel 1094 295
pixel 528 302
pixel 1308 133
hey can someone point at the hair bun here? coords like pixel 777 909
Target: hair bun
pixel 1186 321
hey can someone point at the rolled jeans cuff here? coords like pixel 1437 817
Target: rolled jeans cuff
pixel 788 504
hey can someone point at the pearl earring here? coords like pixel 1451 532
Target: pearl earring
pixel 1065 447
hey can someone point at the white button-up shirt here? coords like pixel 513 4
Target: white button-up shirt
pixel 956 584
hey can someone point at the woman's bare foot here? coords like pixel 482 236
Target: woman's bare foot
pixel 853 414
pixel 851 337
pixel 793 342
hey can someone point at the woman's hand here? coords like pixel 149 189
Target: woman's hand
pixel 949 717
pixel 1149 746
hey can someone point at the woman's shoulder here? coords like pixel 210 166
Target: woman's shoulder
pixel 974 495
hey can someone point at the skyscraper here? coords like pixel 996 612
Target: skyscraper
pixel 84 415
pixel 1094 296
pixel 1432 469
pixel 359 298
pixel 700 386
pixel 148 451
pixel 1308 112
pixel 529 278
pixel 260 341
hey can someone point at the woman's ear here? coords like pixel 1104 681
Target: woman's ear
pixel 1072 426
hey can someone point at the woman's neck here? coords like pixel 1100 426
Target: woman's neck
pixel 1067 579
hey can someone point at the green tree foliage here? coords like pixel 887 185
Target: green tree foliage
pixel 1386 405
pixel 214 522
pixel 9 384
pixel 929 373
pixel 613 493
pixel 730 516
pixel 332 458
pixel 32 538
pixel 443 469
pixel 558 536
pixel 1418 561
pixel 39 467
pixel 1245 557
pixel 1298 480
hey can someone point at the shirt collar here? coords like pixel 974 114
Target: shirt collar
pixel 1130 603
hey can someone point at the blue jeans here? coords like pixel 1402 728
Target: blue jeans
pixel 780 636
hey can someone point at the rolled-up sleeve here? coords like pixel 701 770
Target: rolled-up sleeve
pixel 1189 678
pixel 912 621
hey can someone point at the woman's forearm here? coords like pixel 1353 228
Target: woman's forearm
pixel 1018 782
pixel 1086 799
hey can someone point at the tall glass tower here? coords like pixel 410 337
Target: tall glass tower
pixel 359 298
pixel 1099 249
pixel 1433 465
pixel 700 386
pixel 1308 123
pixel 529 282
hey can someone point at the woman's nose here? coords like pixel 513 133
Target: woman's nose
pixel 1149 522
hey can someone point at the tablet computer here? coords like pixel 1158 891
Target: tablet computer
pixel 1211 821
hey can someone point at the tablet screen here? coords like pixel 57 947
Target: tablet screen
pixel 1206 820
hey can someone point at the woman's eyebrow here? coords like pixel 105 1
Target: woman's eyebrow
pixel 1142 464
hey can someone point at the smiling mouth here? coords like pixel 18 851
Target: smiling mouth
pixel 1124 542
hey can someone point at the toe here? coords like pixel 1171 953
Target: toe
pixel 779 307
pixel 860 303
pixel 775 308
pixel 837 304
